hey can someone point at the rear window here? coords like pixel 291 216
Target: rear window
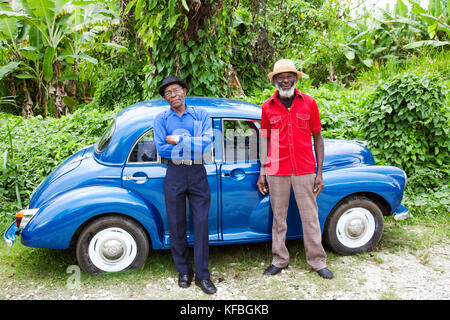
pixel 104 140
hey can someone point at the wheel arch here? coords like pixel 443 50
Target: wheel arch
pixel 80 228
pixel 382 203
pixel 59 220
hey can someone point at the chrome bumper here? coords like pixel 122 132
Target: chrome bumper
pixel 402 213
pixel 10 234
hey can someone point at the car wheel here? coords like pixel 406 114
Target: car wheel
pixel 354 226
pixel 111 244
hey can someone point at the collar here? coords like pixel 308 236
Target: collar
pixel 188 109
pixel 296 93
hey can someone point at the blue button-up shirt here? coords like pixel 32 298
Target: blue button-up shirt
pixel 194 128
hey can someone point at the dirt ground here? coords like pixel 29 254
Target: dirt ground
pixel 401 275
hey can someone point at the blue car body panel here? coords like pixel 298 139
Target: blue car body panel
pixel 58 219
pixel 89 184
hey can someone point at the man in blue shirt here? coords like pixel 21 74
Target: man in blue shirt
pixel 182 135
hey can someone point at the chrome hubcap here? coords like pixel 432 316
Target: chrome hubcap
pixel 355 227
pixel 112 249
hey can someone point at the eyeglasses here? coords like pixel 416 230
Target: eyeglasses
pixel 289 77
pixel 168 94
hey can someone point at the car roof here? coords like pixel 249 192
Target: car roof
pixel 132 121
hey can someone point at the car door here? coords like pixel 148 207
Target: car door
pixel 246 214
pixel 144 174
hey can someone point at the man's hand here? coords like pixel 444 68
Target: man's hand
pixel 173 139
pixel 318 184
pixel 262 185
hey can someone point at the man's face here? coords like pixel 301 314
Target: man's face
pixel 285 83
pixel 174 94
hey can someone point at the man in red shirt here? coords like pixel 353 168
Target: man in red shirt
pixel 288 119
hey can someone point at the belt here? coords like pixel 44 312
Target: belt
pixel 187 162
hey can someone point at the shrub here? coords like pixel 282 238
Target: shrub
pixel 120 87
pixel 31 148
pixel 406 123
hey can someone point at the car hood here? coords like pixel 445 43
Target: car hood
pixel 65 167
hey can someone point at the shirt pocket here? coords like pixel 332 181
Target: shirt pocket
pixel 302 120
pixel 275 122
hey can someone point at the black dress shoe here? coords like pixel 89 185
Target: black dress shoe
pixel 273 270
pixel 184 280
pixel 206 285
pixel 325 273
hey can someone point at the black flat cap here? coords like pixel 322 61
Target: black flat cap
pixel 171 80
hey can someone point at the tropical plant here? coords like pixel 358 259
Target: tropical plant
pixel 188 38
pixel 436 19
pixel 44 40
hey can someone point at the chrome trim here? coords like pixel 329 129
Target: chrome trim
pixel 158 158
pixel 28 214
pixel 10 234
pixel 9 243
pixel 134 178
pixel 402 216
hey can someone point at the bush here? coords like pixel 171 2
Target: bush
pixel 120 87
pixel 31 148
pixel 407 122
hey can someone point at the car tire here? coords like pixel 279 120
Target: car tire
pixel 354 226
pixel 112 243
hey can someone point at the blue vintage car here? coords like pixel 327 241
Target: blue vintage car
pixel 108 198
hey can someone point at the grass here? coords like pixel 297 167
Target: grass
pixel 434 62
pixel 50 267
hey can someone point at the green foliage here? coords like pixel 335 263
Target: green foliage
pixel 190 42
pixel 31 148
pixel 430 61
pixel 120 87
pixel 43 41
pixel 340 112
pixel 427 194
pixel 407 122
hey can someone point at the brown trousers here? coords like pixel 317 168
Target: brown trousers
pixel 280 189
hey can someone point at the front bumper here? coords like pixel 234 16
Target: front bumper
pixel 402 213
pixel 10 234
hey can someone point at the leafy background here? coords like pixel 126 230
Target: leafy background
pixel 68 66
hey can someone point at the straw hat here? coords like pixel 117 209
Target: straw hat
pixel 284 65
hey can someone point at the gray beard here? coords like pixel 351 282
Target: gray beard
pixel 286 93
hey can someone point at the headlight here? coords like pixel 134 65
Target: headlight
pixel 24 216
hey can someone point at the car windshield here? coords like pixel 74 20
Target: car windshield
pixel 104 140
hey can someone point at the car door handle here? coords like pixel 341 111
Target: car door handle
pixel 131 178
pixel 236 174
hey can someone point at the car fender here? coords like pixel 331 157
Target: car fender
pixel 386 182
pixel 57 221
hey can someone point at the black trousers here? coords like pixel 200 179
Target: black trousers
pixel 183 181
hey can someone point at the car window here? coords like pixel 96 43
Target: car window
pixel 104 140
pixel 144 150
pixel 240 140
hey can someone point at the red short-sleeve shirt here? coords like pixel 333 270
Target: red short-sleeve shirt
pixel 290 150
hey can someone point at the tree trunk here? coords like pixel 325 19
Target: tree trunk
pixel 234 82
pixel 27 104
pixel 57 92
